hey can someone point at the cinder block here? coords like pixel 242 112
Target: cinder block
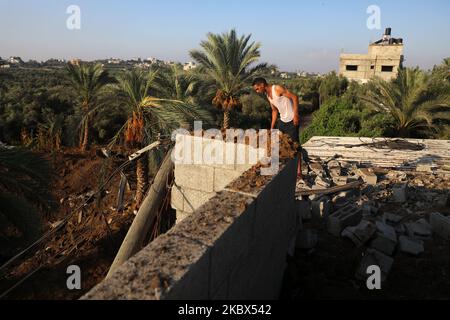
pixel 368 176
pixel 195 177
pixel 177 199
pixel 374 258
pixel 410 245
pixel 386 239
pixel 361 233
pixel 194 199
pixel 440 225
pixel 399 193
pixel 223 177
pixel 321 207
pixel 420 229
pixel 231 247
pixel 195 282
pixel 348 216
pixel 181 215
pixel 304 209
pixel 340 180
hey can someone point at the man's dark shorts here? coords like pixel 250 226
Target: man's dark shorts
pixel 290 129
pixel 294 132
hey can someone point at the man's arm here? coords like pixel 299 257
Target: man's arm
pixel 281 91
pixel 274 117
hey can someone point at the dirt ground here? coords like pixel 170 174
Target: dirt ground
pixel 90 239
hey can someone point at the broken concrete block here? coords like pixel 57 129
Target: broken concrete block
pixel 316 168
pixel 386 238
pixel 410 245
pixel 352 193
pixel 399 193
pixel 368 190
pixel 361 233
pixel 391 218
pixel 373 257
pixel 340 180
pixel 324 183
pixel 420 229
pixel 369 209
pixel 306 239
pixel 333 164
pixel 440 225
pixel 424 167
pixel 304 209
pixel 368 175
pixel 303 184
pixel 400 229
pixel 442 200
pixel 321 207
pixel 348 216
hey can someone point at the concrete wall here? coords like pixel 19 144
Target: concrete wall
pixel 195 184
pixel 232 247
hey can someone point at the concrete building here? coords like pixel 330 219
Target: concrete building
pixel 75 61
pixel 15 60
pixel 383 60
pixel 189 66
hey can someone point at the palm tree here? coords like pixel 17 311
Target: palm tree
pixel 87 80
pixel 174 83
pixel 149 117
pixel 228 60
pixel 411 102
pixel 24 189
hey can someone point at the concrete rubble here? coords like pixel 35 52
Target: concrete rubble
pixel 373 257
pixel 392 212
pixel 361 233
pixel 386 238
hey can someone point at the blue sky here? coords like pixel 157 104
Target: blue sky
pixel 295 34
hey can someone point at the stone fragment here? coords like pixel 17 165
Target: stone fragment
pixel 361 233
pixel 399 193
pixel 410 245
pixel 348 216
pixel 374 258
pixel 368 175
pixel 386 238
pixel 440 225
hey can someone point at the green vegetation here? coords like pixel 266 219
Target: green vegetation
pixel 417 109
pixel 228 60
pixel 415 104
pixel 148 116
pixel 51 107
pixel 88 80
pixel 24 190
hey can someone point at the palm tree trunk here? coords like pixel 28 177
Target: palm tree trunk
pixel 142 179
pixel 85 142
pixel 226 119
pixel 145 217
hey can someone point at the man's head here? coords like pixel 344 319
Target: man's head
pixel 259 84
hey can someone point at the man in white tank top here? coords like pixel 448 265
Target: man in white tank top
pixel 285 103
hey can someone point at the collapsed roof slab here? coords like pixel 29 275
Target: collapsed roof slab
pixel 400 154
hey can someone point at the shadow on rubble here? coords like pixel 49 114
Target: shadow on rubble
pixel 326 270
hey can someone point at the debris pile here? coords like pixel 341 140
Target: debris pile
pixel 383 213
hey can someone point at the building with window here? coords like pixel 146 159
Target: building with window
pixel 383 60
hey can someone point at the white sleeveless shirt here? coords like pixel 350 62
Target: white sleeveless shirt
pixel 283 104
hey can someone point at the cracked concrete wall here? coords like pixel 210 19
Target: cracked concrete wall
pixel 233 247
